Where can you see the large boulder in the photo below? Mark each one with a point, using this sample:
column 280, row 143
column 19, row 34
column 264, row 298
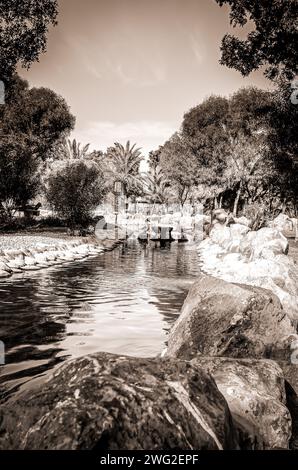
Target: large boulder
column 243, row 221
column 239, row 230
column 257, row 244
column 225, row 319
column 106, row 401
column 220, row 235
column 283, row 223
column 219, row 215
column 256, row 258
column 255, row 393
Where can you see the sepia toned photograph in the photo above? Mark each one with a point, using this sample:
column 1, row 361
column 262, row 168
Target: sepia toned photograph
column 149, row 230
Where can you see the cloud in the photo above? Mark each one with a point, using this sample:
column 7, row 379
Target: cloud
column 197, row 49
column 154, row 75
column 147, row 134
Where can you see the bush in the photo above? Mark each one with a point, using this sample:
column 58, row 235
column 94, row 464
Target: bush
column 75, row 191
column 18, row 175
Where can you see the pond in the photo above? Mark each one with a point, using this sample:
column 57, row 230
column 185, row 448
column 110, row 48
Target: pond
column 123, row 301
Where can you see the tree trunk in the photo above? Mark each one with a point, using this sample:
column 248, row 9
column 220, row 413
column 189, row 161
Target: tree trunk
column 236, row 202
column 220, row 201
column 215, row 203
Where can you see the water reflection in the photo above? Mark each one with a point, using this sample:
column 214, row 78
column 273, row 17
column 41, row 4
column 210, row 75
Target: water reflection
column 123, row 301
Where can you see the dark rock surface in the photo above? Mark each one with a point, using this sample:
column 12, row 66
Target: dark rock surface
column 233, row 320
column 106, row 401
column 256, row 395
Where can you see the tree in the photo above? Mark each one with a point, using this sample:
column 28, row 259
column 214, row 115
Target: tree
column 18, row 175
column 157, row 186
column 28, row 137
column 72, row 150
column 45, row 116
column 74, row 191
column 179, row 166
column 229, row 138
column 248, row 170
column 154, row 158
column 248, row 167
column 272, row 43
column 125, row 167
column 23, row 31
column 204, row 127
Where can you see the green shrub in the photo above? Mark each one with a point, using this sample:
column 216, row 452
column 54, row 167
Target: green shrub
column 75, row 191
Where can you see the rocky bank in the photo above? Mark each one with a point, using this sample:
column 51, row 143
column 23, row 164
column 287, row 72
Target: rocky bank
column 34, row 253
column 226, row 381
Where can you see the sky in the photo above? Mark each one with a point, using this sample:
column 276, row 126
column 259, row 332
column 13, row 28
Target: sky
column 130, row 69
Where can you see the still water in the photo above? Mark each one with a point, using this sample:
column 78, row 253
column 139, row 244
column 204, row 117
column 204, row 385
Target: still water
column 123, row 301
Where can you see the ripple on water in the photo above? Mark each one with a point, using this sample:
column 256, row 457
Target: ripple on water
column 123, row 301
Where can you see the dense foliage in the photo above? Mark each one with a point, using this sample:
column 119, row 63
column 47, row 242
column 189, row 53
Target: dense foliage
column 75, row 191
column 23, row 32
column 123, row 165
column 272, row 41
column 32, row 121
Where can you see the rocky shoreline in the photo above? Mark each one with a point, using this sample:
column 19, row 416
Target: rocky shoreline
column 34, row 253
column 228, row 379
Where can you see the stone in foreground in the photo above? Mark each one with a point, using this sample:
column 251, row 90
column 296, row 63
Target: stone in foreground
column 224, row 319
column 255, row 393
column 106, row 401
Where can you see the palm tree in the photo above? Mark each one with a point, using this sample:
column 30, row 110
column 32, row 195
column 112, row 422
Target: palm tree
column 124, row 167
column 72, row 150
column 157, row 186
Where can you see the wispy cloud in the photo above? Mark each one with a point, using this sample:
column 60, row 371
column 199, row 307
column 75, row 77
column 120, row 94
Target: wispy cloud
column 154, row 75
column 197, row 48
column 124, row 61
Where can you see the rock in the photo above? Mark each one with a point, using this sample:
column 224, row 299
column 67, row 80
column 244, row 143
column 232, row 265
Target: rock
column 224, row 319
column 41, row 257
column 4, row 266
column 4, row 274
column 264, row 239
column 290, row 373
column 238, row 230
column 106, row 401
column 16, row 261
column 283, row 223
column 243, row 221
column 262, row 262
column 29, row 259
column 51, row 255
column 255, row 393
column 219, row 215
column 220, row 234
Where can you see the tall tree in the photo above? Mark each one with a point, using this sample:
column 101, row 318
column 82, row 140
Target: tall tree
column 204, row 128
column 23, row 32
column 32, row 122
column 72, row 150
column 229, row 138
column 157, row 186
column 19, row 180
column 125, row 167
column 44, row 118
column 180, row 167
column 272, row 41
